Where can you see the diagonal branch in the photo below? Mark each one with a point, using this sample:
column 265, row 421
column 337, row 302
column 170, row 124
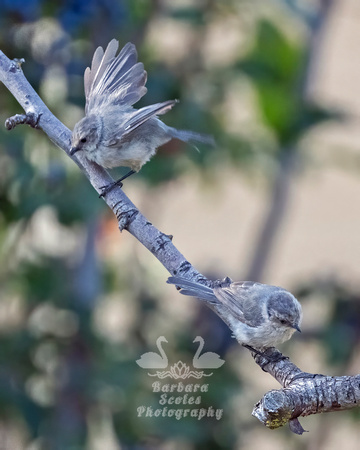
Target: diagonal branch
column 302, row 393
column 128, row 216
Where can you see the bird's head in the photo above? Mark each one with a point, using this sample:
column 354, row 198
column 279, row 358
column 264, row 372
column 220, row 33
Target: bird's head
column 86, row 134
column 284, row 310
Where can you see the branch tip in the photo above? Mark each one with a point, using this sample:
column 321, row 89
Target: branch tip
column 31, row 119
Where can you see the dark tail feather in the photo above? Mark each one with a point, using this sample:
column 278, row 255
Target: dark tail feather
column 193, row 289
column 199, row 294
column 183, row 282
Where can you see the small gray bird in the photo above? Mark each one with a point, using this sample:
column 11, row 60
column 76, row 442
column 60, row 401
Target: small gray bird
column 113, row 133
column 259, row 315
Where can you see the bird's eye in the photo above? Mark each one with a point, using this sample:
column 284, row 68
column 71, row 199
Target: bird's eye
column 283, row 321
column 83, row 140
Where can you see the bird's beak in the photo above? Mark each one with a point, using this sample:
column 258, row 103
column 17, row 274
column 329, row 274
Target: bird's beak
column 73, row 150
column 297, row 328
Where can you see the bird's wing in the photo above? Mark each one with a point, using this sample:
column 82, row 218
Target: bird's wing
column 136, row 118
column 117, row 80
column 242, row 301
column 142, row 115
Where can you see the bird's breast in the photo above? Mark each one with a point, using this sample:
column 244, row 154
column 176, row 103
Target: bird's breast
column 133, row 155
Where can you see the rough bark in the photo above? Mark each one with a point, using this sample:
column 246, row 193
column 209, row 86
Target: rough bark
column 302, row 394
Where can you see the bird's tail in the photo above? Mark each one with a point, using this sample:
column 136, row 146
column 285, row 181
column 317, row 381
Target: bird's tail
column 193, row 289
column 191, row 136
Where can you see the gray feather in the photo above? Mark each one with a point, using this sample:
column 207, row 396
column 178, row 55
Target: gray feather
column 90, row 72
column 142, row 115
column 191, row 136
column 98, row 68
column 231, row 299
column 134, row 78
column 116, row 69
column 114, row 80
column 98, row 65
column 199, row 294
column 193, row 289
column 245, row 300
column 183, row 282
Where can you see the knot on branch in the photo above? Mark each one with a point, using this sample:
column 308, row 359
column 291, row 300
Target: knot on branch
column 126, row 217
column 274, row 410
column 16, row 64
column 161, row 242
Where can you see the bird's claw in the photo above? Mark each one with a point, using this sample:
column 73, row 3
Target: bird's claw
column 108, row 187
column 272, row 357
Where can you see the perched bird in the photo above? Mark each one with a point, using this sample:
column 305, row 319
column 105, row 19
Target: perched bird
column 113, row 133
column 259, row 315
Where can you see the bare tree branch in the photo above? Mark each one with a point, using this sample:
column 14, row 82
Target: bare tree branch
column 302, row 393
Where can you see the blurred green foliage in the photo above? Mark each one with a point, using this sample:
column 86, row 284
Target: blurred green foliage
column 277, row 66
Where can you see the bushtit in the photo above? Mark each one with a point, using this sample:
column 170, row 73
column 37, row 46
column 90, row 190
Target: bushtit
column 259, row 315
column 113, row 133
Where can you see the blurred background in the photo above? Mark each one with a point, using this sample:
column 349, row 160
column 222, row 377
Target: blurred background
column 276, row 83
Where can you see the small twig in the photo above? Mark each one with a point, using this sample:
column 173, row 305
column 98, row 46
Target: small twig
column 31, row 119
